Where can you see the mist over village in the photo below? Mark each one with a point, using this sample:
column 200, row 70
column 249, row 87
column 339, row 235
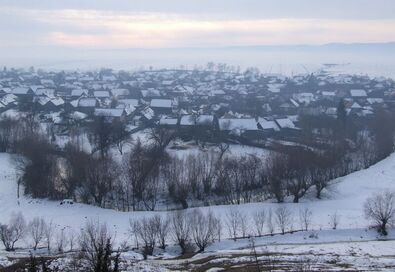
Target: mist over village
column 253, row 135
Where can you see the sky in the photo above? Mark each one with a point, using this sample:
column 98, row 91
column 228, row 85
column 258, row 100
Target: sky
column 69, row 34
column 120, row 24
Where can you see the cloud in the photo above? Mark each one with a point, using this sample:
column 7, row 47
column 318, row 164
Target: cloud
column 171, row 26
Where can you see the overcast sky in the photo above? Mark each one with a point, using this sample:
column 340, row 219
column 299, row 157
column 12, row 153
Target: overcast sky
column 114, row 24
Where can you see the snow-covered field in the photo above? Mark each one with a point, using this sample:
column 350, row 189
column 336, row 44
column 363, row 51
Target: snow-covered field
column 345, row 197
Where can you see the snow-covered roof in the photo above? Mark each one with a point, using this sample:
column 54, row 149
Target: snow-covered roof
column 238, row 124
column 161, row 103
column 375, row 100
column 109, row 112
column 355, row 105
column 79, row 92
column 20, row 90
column 204, row 119
column 8, row 98
column 77, row 115
column 57, row 101
column 47, row 82
column 42, row 100
column 150, row 93
column 168, row 121
column 275, row 87
column 47, row 92
column 87, row 102
column 131, row 102
column 119, row 92
column 109, row 78
column 326, row 93
column 217, row 92
column 148, row 113
column 285, row 123
column 268, row 125
column 101, row 94
column 358, row 93
column 187, row 120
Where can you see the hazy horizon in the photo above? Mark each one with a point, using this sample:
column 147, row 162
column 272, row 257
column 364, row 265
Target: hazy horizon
column 90, row 34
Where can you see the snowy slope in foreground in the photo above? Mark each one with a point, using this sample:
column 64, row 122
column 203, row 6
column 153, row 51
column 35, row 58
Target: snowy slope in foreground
column 346, row 197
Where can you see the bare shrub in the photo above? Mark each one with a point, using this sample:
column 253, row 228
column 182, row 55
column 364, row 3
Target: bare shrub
column 13, row 232
column 48, row 233
column 95, row 242
column 305, row 218
column 146, row 233
column 60, row 240
column 203, row 228
column 233, row 222
column 380, row 209
column 283, row 218
column 163, row 227
column 269, row 222
column 259, row 218
column 72, row 239
column 181, row 230
column 36, row 231
column 334, row 220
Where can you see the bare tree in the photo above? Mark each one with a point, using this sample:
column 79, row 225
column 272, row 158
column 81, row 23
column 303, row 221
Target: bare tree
column 276, row 176
column 48, row 233
column 244, row 224
column 60, row 240
column 203, row 228
column 233, row 222
column 269, row 222
column 305, row 217
column 13, row 232
column 178, row 181
column 36, row 230
column 72, row 239
column 146, row 232
column 181, row 230
column 380, row 209
column 163, row 226
column 259, row 218
column 95, row 242
column 283, row 218
column 334, row 220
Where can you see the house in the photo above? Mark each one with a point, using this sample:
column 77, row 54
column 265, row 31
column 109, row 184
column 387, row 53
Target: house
column 238, row 126
column 79, row 93
column 267, row 125
column 168, row 122
column 129, row 102
column 9, row 100
column 205, row 120
column 147, row 114
column 101, row 94
column 120, row 93
column 86, row 104
column 22, row 91
column 49, row 83
column 287, row 126
column 161, row 106
column 187, row 120
column 150, row 93
column 110, row 114
column 358, row 93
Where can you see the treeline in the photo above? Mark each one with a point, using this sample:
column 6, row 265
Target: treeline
column 147, row 177
column 92, row 247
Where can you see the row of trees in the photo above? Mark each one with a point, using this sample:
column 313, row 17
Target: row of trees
column 147, row 174
column 94, row 244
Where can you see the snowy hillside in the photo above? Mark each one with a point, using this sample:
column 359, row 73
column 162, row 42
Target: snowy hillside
column 344, row 197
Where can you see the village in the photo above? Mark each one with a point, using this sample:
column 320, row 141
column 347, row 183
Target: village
column 217, row 104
